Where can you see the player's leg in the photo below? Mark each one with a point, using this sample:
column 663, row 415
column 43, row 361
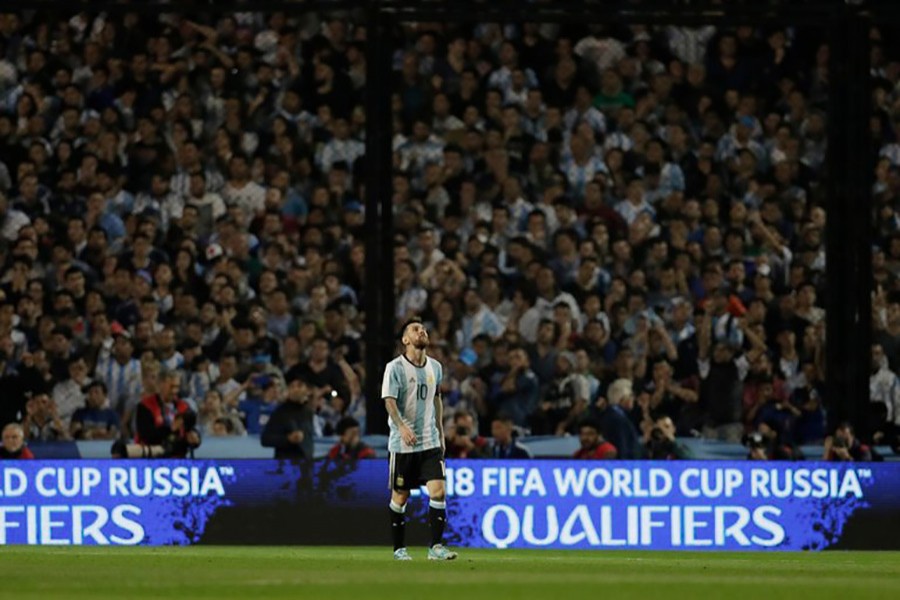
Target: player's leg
column 433, row 472
column 399, row 498
column 437, row 510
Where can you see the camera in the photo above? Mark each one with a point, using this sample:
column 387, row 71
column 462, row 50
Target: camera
column 657, row 435
column 754, row 440
column 189, row 421
column 462, row 432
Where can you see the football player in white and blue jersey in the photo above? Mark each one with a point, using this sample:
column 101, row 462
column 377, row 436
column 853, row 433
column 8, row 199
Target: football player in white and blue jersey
column 412, row 395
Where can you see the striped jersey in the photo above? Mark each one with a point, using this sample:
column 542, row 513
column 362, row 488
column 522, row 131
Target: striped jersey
column 414, row 389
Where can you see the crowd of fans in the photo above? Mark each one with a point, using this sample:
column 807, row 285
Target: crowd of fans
column 615, row 233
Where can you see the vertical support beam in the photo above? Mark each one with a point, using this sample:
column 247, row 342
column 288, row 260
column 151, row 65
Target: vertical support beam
column 860, row 172
column 849, row 232
column 379, row 279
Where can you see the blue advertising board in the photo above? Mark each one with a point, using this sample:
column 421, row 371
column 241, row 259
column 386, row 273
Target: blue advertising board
column 491, row 504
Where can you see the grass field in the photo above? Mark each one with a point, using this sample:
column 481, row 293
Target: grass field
column 370, row 574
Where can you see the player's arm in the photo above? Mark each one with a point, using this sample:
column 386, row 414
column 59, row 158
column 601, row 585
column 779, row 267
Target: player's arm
column 406, row 432
column 439, row 418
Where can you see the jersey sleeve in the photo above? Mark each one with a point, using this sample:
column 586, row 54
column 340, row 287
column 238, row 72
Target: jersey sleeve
column 390, row 386
column 439, row 376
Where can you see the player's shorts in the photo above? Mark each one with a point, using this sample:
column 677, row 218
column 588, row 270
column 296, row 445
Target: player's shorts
column 410, row 470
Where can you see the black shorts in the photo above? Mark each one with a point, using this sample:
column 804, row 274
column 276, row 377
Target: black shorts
column 409, row 470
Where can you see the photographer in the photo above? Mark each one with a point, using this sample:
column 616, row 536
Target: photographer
column 350, row 446
column 845, row 447
column 463, row 440
column 662, row 444
column 768, row 443
column 166, row 425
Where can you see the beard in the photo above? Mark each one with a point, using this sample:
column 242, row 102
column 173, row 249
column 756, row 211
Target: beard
column 420, row 344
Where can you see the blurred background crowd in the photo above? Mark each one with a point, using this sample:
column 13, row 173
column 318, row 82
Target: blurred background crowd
column 611, row 232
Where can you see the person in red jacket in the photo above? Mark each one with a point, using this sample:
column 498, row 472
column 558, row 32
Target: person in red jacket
column 166, row 422
column 593, row 446
column 14, row 443
column 350, row 447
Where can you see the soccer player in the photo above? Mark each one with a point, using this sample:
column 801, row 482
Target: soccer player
column 411, row 391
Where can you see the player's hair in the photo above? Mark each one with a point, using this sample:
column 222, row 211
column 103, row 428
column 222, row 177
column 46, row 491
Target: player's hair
column 410, row 321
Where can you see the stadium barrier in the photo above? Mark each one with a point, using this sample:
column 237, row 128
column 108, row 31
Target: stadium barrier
column 687, row 505
column 540, row 447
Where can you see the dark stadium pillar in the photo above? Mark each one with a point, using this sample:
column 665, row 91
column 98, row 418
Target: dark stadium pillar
column 379, row 279
column 849, row 231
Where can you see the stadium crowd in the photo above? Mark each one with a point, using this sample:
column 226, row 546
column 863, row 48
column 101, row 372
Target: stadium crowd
column 615, row 233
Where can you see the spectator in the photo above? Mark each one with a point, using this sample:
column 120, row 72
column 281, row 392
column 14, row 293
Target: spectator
column 477, row 320
column 722, row 374
column 463, row 440
column 670, row 398
column 321, row 372
column 217, row 417
column 884, row 394
column 95, row 420
column 844, row 446
column 350, row 447
column 565, row 400
column 809, row 425
column 505, row 444
column 14, row 386
column 662, row 444
column 12, row 220
column 615, row 420
column 69, row 395
column 614, row 174
column 121, row 371
column 42, row 422
column 768, row 442
column 14, row 443
column 514, row 391
column 163, row 419
column 290, row 428
column 262, row 397
column 593, row 446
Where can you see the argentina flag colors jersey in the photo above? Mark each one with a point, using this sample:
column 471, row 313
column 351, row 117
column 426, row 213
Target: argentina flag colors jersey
column 414, row 388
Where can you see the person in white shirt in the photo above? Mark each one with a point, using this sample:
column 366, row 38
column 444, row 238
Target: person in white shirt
column 242, row 191
column 341, row 148
column 635, row 203
column 884, row 386
column 209, row 205
column 11, row 220
column 121, row 373
column 478, row 320
column 69, row 395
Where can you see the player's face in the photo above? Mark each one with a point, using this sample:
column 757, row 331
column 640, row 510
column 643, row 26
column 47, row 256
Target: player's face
column 417, row 336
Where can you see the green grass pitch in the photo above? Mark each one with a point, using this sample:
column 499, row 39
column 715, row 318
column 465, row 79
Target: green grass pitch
column 371, row 574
